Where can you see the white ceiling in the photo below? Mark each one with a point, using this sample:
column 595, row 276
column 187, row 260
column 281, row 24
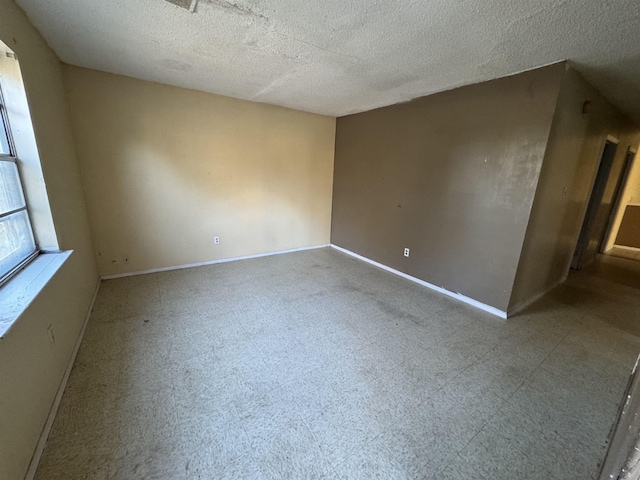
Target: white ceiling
column 337, row 57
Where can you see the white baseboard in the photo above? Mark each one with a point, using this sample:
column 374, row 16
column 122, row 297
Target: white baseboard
column 622, row 251
column 457, row 296
column 210, row 262
column 623, row 247
column 522, row 305
column 37, row 454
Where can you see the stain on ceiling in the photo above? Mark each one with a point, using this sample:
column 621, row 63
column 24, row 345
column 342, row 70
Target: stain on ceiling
column 338, row 57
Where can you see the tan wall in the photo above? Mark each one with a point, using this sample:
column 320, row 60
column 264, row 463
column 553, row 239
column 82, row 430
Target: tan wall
column 166, row 169
column 568, row 173
column 630, row 195
column 451, row 176
column 629, row 233
column 30, row 368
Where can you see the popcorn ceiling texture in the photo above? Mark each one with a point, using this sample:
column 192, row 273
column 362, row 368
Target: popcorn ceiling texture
column 338, row 57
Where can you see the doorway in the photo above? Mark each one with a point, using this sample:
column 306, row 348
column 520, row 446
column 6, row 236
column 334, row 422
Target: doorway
column 613, row 230
column 596, row 217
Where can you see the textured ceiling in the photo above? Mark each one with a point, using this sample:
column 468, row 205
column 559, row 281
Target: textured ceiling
column 343, row 56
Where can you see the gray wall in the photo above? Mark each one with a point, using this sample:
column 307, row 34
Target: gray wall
column 452, row 176
column 567, row 176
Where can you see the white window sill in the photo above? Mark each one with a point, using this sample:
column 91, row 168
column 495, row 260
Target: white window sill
column 18, row 293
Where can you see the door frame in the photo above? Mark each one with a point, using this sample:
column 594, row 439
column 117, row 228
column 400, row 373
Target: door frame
column 624, row 437
column 630, row 159
column 583, row 237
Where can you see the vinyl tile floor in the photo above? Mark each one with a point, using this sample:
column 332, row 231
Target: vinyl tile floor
column 315, row 365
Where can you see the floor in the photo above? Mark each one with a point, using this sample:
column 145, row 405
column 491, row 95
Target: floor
column 315, row 365
column 624, row 252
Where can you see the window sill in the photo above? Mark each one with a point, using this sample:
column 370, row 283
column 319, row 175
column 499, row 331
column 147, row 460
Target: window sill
column 21, row 290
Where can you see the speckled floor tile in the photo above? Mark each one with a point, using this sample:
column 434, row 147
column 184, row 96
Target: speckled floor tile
column 341, row 431
column 293, row 452
column 316, row 365
column 503, row 450
column 311, row 392
column 371, row 463
column 245, row 468
column 457, row 468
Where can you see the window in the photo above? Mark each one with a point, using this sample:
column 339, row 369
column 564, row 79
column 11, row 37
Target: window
column 17, row 244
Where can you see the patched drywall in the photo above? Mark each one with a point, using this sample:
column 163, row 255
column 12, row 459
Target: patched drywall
column 335, row 57
column 451, row 177
column 566, row 179
column 166, row 170
column 31, row 365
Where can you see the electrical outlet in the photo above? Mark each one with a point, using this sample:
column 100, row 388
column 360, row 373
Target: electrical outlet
column 52, row 337
column 216, row 240
column 406, row 252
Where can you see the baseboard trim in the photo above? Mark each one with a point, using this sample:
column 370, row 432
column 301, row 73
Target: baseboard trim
column 210, row 262
column 522, row 305
column 457, row 296
column 37, row 454
column 623, row 251
column 624, row 248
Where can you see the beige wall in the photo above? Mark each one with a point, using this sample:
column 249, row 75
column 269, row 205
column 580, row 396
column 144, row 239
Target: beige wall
column 166, row 169
column 30, row 367
column 568, row 173
column 629, row 195
column 632, row 191
column 452, row 177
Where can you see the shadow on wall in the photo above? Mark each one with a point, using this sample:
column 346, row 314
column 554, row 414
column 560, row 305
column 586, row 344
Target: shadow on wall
column 463, row 166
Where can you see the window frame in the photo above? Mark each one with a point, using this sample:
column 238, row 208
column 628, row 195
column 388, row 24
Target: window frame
column 13, row 158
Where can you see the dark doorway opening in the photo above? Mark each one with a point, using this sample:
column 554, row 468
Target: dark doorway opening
column 612, row 236
column 596, row 218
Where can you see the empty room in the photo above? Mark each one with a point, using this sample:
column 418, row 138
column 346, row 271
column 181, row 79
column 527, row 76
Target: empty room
column 254, row 239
